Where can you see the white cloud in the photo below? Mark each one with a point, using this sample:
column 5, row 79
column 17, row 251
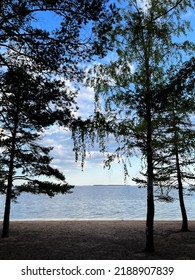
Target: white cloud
column 144, row 4
column 85, row 102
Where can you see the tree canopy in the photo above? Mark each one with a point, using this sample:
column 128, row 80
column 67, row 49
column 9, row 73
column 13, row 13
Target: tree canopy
column 60, row 47
column 131, row 86
column 37, row 60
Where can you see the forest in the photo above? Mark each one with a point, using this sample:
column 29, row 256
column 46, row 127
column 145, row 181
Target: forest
column 144, row 98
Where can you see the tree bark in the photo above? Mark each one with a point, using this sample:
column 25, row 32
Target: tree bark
column 149, row 154
column 6, row 220
column 181, row 198
column 179, row 179
column 150, row 197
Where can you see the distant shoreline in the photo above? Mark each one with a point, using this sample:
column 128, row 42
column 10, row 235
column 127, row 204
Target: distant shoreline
column 107, row 185
column 96, row 203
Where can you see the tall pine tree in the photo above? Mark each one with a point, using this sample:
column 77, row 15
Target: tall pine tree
column 26, row 109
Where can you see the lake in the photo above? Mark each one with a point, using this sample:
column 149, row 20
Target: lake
column 96, row 203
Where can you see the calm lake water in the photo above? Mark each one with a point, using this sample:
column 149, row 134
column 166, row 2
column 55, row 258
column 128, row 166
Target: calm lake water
column 96, row 203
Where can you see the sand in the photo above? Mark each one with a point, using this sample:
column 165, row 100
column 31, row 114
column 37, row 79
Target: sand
column 101, row 240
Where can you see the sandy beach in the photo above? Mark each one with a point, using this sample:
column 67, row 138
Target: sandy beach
column 89, row 240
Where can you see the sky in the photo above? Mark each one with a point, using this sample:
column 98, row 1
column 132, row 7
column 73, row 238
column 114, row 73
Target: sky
column 93, row 171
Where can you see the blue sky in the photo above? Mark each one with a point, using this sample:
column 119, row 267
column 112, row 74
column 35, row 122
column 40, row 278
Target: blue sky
column 93, row 172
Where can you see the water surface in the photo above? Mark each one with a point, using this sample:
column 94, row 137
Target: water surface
column 96, row 203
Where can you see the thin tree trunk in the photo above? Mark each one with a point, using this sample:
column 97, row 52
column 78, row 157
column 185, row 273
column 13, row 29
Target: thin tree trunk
column 149, row 155
column 150, row 221
column 179, row 179
column 150, row 197
column 181, row 198
column 6, row 220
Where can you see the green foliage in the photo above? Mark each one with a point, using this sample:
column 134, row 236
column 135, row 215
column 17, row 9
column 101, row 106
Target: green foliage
column 27, row 107
column 129, row 89
column 50, row 51
column 176, row 129
column 146, row 53
column 58, row 49
column 39, row 61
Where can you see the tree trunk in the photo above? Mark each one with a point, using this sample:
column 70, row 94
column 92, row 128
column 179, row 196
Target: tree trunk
column 179, row 179
column 181, row 198
column 150, row 197
column 6, row 220
column 150, row 223
column 149, row 155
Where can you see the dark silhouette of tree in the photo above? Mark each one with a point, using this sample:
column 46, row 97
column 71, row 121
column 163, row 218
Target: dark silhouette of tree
column 175, row 153
column 38, row 58
column 173, row 141
column 26, row 109
column 129, row 85
column 59, row 48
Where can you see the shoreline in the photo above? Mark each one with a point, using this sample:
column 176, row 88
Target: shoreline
column 92, row 220
column 95, row 239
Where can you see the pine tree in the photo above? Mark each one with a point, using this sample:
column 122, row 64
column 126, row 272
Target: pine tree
column 175, row 155
column 26, row 109
column 35, row 62
column 59, row 47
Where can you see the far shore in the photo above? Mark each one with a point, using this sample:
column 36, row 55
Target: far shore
column 101, row 240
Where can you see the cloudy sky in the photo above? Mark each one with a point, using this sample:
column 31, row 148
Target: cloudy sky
column 94, row 171
column 64, row 157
